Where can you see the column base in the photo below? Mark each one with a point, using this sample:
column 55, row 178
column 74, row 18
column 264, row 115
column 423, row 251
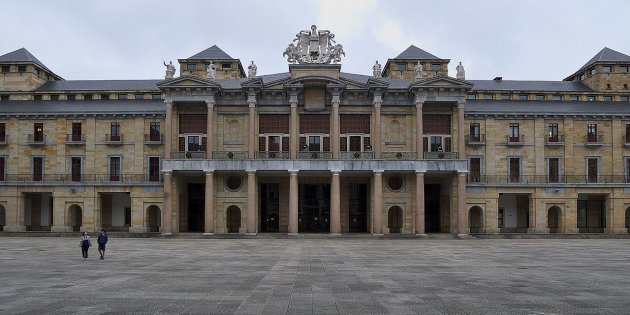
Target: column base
column 167, row 234
column 463, row 236
column 378, row 234
column 208, row 233
column 292, row 234
column 138, row 229
column 421, row 235
column 250, row 234
column 60, row 228
column 15, row 228
column 335, row 234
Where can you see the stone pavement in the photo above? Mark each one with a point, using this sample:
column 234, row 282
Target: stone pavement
column 316, row 276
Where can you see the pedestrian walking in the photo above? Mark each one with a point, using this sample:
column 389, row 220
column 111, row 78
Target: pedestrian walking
column 102, row 241
column 85, row 244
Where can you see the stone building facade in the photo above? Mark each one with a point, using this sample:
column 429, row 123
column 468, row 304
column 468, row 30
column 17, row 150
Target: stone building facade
column 315, row 149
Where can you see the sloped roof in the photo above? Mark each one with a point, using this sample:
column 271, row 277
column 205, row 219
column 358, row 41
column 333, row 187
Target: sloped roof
column 22, row 55
column 213, row 52
column 604, row 55
column 99, row 85
column 543, row 86
column 546, row 107
column 81, row 107
column 414, row 52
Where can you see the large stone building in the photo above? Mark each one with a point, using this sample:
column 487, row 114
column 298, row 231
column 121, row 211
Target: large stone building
column 407, row 149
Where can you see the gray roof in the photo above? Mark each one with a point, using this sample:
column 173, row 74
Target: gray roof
column 213, row 52
column 99, row 85
column 22, row 55
column 542, row 86
column 267, row 79
column 82, row 107
column 546, row 108
column 414, row 52
column 363, row 79
column 606, row 54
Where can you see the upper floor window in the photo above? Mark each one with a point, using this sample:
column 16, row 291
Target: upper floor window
column 608, row 98
column 71, row 97
column 592, row 169
column 522, row 97
column 607, row 69
column 505, row 97
column 557, row 97
column 21, row 68
column 122, row 96
column 115, row 168
column 591, row 133
column 191, row 66
column 226, row 66
column 154, row 169
column 87, row 97
column 583, row 76
column 154, row 131
column 593, row 71
column 38, row 132
column 436, row 67
column 6, row 69
column 591, row 98
column 540, row 97
column 37, row 168
column 623, row 98
column 3, row 168
column 401, row 66
column 104, row 96
column 156, row 96
column 553, row 132
column 488, row 96
column 138, row 96
column 54, row 97
column 3, row 133
column 474, row 172
column 75, row 169
column 475, row 132
column 115, row 131
column 472, row 97
column 553, row 170
column 574, row 98
column 624, row 69
column 513, row 132
column 514, row 169
column 76, row 131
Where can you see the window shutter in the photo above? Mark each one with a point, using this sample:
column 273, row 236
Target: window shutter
column 285, row 144
column 262, row 144
column 343, row 144
column 182, row 144
column 302, row 143
column 447, row 144
column 326, row 145
column 203, row 144
column 425, row 144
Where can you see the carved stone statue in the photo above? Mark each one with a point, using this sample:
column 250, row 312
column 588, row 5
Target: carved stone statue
column 212, row 71
column 251, row 70
column 419, row 70
column 314, row 46
column 170, row 70
column 461, row 73
column 376, row 70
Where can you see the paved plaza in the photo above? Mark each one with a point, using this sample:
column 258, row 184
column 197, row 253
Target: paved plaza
column 316, row 276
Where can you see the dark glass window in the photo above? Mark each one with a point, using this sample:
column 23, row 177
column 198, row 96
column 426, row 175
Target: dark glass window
column 156, row 96
column 513, row 132
column 38, row 168
column 436, row 67
column 608, row 98
column 522, row 97
column 122, row 96
column 37, row 97
column 557, row 97
column 114, row 168
column 87, row 97
column 515, row 170
column 75, row 169
column 401, row 66
column 553, row 132
column 2, row 167
column 54, row 97
column 139, row 96
column 591, row 169
column 505, row 97
column 154, row 169
column 475, row 170
column 3, row 132
column 488, row 97
column 540, row 97
column 591, row 133
column 590, row 98
column 554, row 170
column 104, row 96
column 154, row 131
column 21, row 68
column 574, row 98
column 607, row 69
column 6, row 69
column 115, row 132
column 226, row 66
column 71, row 97
column 38, row 132
column 76, row 131
column 191, row 67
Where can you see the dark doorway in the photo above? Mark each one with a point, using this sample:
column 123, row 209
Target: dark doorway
column 394, row 219
column 357, row 208
column 233, row 219
column 432, row 208
column 196, row 204
column 314, row 209
column 269, row 208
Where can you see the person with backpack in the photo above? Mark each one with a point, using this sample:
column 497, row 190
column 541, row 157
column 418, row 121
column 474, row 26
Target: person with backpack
column 85, row 244
column 101, row 241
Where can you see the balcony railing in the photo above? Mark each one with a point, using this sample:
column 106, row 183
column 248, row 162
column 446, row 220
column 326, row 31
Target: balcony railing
column 4, row 140
column 153, row 139
column 515, row 140
column 399, row 155
column 473, row 140
column 79, row 178
column 356, row 155
column 316, row 155
column 114, row 139
column 75, row 139
column 36, row 140
column 594, row 140
column 547, row 179
column 188, row 155
column 279, row 155
column 440, row 155
column 556, row 140
column 229, row 155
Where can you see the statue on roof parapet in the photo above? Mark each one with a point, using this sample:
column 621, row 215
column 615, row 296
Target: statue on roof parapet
column 419, row 70
column 314, row 46
column 461, row 73
column 376, row 70
column 170, row 70
column 212, row 70
column 251, row 70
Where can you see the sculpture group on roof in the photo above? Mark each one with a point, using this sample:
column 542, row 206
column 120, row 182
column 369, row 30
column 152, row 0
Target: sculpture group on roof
column 170, row 70
column 314, row 46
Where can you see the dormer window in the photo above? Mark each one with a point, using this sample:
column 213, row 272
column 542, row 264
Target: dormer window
column 624, row 69
column 104, row 96
column 583, row 76
column 557, row 97
column 138, row 96
column 54, row 97
column 593, row 71
column 488, row 97
column 608, row 98
column 6, row 69
column 22, row 68
column 401, row 66
column 436, row 67
column 122, row 96
column 574, row 98
column 522, row 97
column 540, row 97
column 472, row 96
column 226, row 66
column 607, row 69
column 591, row 98
column 191, row 66
column 505, row 97
column 71, row 97
column 87, row 97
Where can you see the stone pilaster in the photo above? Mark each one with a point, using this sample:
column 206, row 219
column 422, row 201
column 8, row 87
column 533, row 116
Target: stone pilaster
column 251, row 202
column 462, row 223
column 293, row 202
column 168, row 130
column 167, row 217
column 334, row 141
column 377, row 228
column 335, row 204
column 209, row 204
column 378, row 100
column 461, row 148
column 293, row 128
column 420, row 231
column 419, row 128
column 253, row 134
column 210, row 128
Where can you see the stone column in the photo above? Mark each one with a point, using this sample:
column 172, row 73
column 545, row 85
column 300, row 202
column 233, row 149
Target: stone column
column 377, row 228
column 335, row 128
column 251, row 147
column 167, row 215
column 335, row 204
column 293, row 203
column 462, row 223
column 210, row 129
column 377, row 126
column 168, row 130
column 209, row 204
column 419, row 129
column 420, row 204
column 461, row 147
column 293, row 130
column 251, row 203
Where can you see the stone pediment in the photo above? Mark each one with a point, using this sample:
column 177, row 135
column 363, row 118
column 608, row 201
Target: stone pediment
column 442, row 82
column 314, row 80
column 187, row 82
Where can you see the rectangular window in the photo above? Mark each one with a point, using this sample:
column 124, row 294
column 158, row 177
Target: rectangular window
column 505, row 97
column 513, row 133
column 122, row 96
column 472, row 97
column 540, row 97
column 515, row 170
column 574, row 98
column 37, row 97
column 553, row 170
column 583, row 76
column 581, row 213
column 608, row 98
column 71, row 97
column 401, row 66
column 138, row 96
column 6, row 69
column 314, row 143
column 115, row 132
column 627, row 135
column 154, row 131
column 591, row 133
column 553, row 132
column 193, row 143
column 436, row 67
column 592, row 169
column 623, row 69
column 191, row 67
column 606, row 69
column 87, row 97
column 38, row 132
column 557, row 97
column 226, row 66
column 474, row 174
column 75, row 165
column 590, row 98
column 627, row 169
column 623, row 98
column 475, row 132
column 593, row 72
column 21, row 68
column 38, row 168
column 76, row 131
column 156, row 96
column 104, row 97
column 500, row 218
column 3, row 133
column 522, row 97
column 54, row 97
column 114, row 168
column 127, row 216
column 154, row 169
column 488, row 96
column 435, row 144
column 3, row 161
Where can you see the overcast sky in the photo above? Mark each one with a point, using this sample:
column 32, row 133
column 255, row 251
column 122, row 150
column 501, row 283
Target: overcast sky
column 124, row 39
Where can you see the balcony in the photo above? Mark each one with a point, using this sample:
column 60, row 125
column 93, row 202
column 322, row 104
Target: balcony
column 399, row 155
column 80, row 178
column 356, row 155
column 594, row 140
column 553, row 141
column 515, row 141
column 195, row 155
column 475, row 140
column 75, row 139
column 153, row 139
column 113, row 139
column 4, row 140
column 36, row 140
column 316, row 155
column 229, row 155
column 440, row 155
column 549, row 179
column 272, row 155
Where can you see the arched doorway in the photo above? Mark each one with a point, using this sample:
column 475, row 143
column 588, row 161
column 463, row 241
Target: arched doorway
column 3, row 217
column 627, row 218
column 475, row 222
column 233, row 219
column 153, row 218
column 394, row 219
column 553, row 219
column 75, row 217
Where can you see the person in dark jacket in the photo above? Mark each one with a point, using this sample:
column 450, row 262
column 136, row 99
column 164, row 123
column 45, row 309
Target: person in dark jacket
column 85, row 244
column 102, row 241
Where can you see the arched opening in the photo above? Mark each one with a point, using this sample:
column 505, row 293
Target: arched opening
column 627, row 218
column 75, row 217
column 475, row 221
column 553, row 219
column 3, row 219
column 394, row 219
column 233, row 219
column 153, row 218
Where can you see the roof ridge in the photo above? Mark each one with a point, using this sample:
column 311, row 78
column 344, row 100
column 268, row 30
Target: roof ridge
column 212, row 52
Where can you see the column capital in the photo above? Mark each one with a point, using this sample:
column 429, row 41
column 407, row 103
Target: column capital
column 250, row 172
column 420, row 173
column 169, row 104
column 420, row 99
column 419, row 105
column 208, row 172
column 294, row 105
column 462, row 173
column 210, row 103
column 167, row 172
column 460, row 103
column 252, row 104
column 335, row 105
column 335, row 172
column 293, row 172
column 293, row 98
column 378, row 172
